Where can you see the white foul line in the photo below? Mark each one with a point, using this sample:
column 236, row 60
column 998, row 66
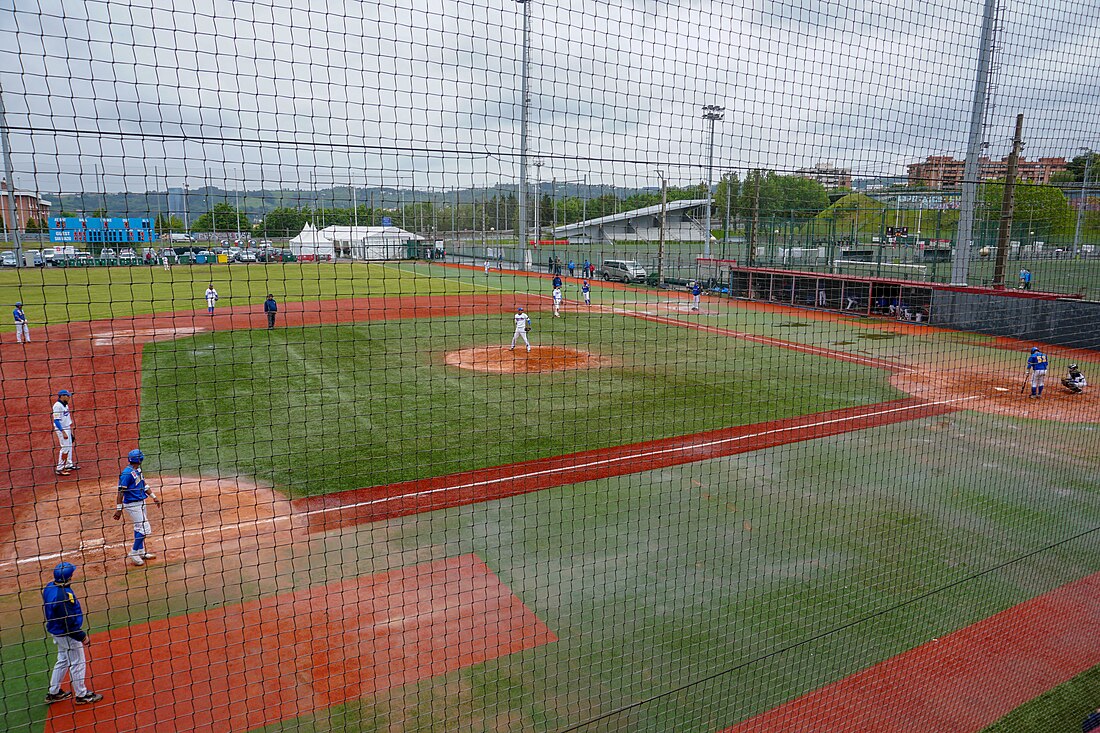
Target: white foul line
column 630, row 457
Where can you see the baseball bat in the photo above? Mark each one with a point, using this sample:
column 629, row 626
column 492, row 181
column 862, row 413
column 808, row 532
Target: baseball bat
column 1024, row 385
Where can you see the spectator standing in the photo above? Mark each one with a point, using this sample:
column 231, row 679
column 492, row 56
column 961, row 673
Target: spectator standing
column 270, row 309
column 64, row 619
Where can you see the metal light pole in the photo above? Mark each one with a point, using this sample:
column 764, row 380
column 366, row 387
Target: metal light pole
column 711, row 113
column 664, row 218
column 960, row 264
column 525, row 104
column 1081, row 204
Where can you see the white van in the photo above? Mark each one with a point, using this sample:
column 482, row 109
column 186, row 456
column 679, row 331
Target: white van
column 181, row 238
column 625, row 270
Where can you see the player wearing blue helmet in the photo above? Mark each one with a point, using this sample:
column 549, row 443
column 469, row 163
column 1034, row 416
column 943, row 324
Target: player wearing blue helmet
column 64, row 619
column 132, row 493
column 1037, row 366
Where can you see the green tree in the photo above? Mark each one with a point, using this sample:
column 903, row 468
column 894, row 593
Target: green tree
column 284, row 222
column 1041, row 212
column 1075, row 169
column 33, row 226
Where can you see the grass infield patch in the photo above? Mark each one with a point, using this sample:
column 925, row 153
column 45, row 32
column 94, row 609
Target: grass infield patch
column 317, row 410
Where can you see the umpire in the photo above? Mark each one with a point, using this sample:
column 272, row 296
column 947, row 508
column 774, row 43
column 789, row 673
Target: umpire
column 270, row 309
column 64, row 619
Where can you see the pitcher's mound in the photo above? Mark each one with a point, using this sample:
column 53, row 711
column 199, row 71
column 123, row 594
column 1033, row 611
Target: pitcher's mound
column 501, row 360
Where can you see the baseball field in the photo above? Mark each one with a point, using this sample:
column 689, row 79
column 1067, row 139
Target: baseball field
column 376, row 516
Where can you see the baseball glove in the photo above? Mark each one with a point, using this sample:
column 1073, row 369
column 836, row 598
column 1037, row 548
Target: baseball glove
column 527, row 329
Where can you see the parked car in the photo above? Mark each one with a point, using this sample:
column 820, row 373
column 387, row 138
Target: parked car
column 39, row 260
column 246, row 255
column 185, row 238
column 83, row 258
column 108, row 254
column 270, row 254
column 7, row 259
column 625, row 270
column 48, row 254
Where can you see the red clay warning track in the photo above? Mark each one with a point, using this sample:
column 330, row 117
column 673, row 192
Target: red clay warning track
column 245, row 666
column 412, row 497
column 962, row 682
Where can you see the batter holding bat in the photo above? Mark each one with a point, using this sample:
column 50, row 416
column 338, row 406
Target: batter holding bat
column 132, row 493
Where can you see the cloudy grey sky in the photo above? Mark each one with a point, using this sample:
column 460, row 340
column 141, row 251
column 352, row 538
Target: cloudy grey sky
column 426, row 92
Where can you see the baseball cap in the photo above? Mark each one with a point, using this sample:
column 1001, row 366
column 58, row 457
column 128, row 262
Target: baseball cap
column 18, row 305
column 64, row 393
column 520, row 309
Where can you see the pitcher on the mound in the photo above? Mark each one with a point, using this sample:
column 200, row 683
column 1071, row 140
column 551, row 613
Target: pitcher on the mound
column 523, row 325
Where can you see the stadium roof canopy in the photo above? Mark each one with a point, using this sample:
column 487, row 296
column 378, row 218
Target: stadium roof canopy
column 580, row 226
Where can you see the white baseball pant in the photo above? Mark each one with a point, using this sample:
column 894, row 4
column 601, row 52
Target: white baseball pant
column 1038, row 377
column 65, row 453
column 70, row 658
column 522, row 333
column 22, row 332
column 135, row 510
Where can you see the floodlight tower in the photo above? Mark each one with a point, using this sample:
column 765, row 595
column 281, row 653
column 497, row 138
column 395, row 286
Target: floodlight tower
column 711, row 113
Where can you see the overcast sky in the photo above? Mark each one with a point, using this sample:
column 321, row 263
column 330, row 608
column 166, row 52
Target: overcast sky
column 426, row 92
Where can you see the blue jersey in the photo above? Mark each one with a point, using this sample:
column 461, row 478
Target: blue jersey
column 585, row 288
column 132, row 485
column 62, row 610
column 1037, row 361
column 557, row 282
column 696, row 290
column 19, row 316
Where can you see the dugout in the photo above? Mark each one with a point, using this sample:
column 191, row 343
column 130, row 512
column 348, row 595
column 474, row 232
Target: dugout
column 951, row 306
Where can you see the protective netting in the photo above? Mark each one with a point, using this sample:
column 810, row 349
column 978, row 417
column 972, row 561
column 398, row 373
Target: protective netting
column 549, row 367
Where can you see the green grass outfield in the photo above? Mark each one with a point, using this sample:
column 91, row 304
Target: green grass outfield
column 743, row 571
column 322, row 409
column 1061, row 709
column 79, row 294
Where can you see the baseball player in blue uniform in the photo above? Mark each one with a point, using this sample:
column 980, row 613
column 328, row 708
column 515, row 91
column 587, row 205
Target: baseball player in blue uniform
column 523, row 324
column 22, row 330
column 132, row 493
column 586, row 291
column 64, row 619
column 1037, row 365
column 696, row 295
column 63, row 429
column 557, row 281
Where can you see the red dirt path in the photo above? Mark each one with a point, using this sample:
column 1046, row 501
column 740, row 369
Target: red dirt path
column 245, row 666
column 962, row 682
column 345, row 508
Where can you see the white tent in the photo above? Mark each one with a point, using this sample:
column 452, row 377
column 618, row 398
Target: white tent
column 360, row 243
column 310, row 244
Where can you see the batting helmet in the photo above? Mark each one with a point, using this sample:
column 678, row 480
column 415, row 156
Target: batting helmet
column 1072, row 366
column 18, row 305
column 63, row 573
column 519, row 310
column 1034, row 349
column 64, row 393
column 135, row 456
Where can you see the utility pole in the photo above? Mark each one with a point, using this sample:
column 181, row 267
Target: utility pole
column 661, row 244
column 1008, row 203
column 9, row 176
column 186, row 219
column 538, row 196
column 711, row 113
column 525, row 106
column 726, row 224
column 755, row 218
column 584, row 200
column 960, row 264
column 1081, row 205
